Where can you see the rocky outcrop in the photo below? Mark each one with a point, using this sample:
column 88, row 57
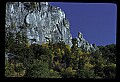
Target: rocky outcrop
column 40, row 21
column 85, row 45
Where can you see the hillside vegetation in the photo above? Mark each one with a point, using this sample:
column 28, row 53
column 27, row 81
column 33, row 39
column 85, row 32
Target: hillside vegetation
column 57, row 60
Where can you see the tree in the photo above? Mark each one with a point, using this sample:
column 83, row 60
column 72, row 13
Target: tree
column 14, row 70
column 85, row 73
column 110, row 70
column 9, row 69
column 68, row 73
column 98, row 63
column 9, row 42
column 109, row 52
column 40, row 69
column 19, row 69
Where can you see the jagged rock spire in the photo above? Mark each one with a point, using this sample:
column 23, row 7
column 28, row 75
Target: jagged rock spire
column 82, row 43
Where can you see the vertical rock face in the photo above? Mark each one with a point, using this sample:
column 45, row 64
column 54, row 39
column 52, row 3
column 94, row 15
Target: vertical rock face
column 40, row 21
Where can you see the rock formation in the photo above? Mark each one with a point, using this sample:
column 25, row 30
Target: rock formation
column 82, row 43
column 41, row 22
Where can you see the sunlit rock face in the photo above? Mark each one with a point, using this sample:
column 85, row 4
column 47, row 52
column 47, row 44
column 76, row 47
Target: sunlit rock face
column 82, row 43
column 41, row 22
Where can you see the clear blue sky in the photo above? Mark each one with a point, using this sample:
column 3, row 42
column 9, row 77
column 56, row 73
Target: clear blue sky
column 97, row 21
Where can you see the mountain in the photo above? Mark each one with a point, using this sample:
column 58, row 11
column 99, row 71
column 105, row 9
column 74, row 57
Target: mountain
column 42, row 23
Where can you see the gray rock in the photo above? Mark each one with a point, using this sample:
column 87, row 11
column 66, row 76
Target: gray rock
column 85, row 45
column 44, row 22
column 9, row 56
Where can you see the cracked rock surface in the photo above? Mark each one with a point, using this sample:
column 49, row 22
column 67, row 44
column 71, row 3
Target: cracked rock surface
column 42, row 23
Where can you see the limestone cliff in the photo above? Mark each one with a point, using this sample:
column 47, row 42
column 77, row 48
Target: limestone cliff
column 40, row 21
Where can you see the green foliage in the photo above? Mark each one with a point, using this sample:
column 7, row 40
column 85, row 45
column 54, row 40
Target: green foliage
column 13, row 25
column 74, row 42
column 109, row 52
column 9, row 69
column 14, row 70
column 57, row 60
column 33, row 5
column 54, row 74
column 9, row 41
column 30, row 5
column 40, row 69
column 41, row 52
column 83, row 73
column 110, row 70
column 68, row 72
column 19, row 67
